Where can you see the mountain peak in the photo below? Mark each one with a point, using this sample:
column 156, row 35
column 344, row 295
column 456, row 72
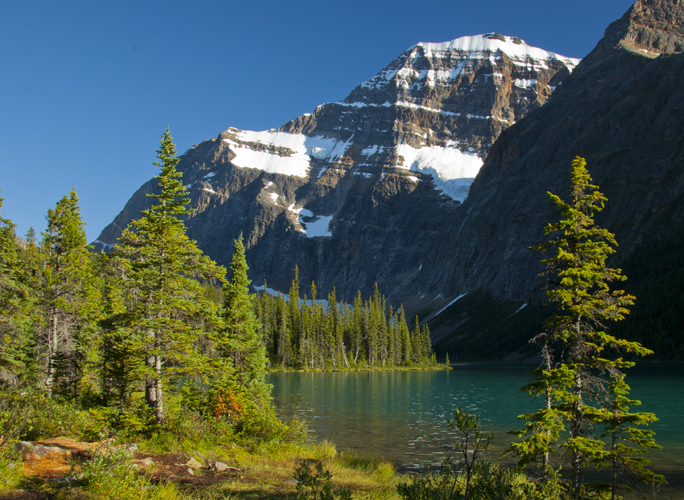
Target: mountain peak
column 651, row 27
column 512, row 46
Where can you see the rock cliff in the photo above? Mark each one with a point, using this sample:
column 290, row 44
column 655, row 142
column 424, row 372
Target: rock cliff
column 362, row 191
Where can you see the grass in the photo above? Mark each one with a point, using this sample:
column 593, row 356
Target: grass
column 258, row 470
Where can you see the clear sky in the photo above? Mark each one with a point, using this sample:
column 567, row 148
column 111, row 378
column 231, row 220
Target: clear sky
column 88, row 87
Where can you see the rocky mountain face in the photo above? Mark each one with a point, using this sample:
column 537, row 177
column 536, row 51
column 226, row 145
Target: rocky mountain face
column 431, row 179
column 362, row 191
column 622, row 109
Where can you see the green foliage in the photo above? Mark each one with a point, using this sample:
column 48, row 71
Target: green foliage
column 111, row 472
column 578, row 353
column 15, row 411
column 475, row 478
column 309, row 335
column 242, row 342
column 316, row 483
column 67, row 291
column 15, row 307
column 166, row 320
column 629, row 441
column 11, row 472
column 470, row 442
column 248, row 410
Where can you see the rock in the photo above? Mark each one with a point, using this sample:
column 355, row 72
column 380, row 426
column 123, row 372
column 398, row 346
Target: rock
column 39, row 451
column 291, row 482
column 220, row 466
column 133, row 448
column 621, row 108
column 359, row 184
column 193, row 464
column 146, row 462
column 191, row 472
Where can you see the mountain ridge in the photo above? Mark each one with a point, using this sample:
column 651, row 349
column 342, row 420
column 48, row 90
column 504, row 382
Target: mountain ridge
column 377, row 167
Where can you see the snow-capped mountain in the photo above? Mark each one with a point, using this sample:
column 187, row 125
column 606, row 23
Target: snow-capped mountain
column 435, row 110
column 357, row 191
column 378, row 187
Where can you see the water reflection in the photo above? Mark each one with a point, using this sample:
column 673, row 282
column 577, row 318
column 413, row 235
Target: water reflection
column 402, row 415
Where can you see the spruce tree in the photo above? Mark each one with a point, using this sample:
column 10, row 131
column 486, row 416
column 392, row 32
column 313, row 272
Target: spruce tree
column 242, row 341
column 68, row 298
column 578, row 353
column 15, row 306
column 168, row 315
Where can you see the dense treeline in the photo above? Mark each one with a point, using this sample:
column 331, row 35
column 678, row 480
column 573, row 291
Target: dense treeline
column 121, row 334
column 314, row 334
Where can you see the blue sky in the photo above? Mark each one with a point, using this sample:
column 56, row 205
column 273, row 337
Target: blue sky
column 88, row 87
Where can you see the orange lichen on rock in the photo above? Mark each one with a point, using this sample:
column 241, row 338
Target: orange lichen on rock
column 51, row 458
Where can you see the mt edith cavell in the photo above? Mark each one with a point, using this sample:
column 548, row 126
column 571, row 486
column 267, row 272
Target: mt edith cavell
column 431, row 178
column 359, row 190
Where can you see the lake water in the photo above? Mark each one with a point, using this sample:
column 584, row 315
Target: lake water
column 402, row 415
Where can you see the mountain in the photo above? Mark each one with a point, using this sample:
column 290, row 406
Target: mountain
column 360, row 191
column 622, row 109
column 431, row 179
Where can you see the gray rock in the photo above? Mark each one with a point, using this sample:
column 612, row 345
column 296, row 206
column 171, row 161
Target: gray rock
column 385, row 218
column 220, row 466
column 147, row 462
column 621, row 109
column 193, row 464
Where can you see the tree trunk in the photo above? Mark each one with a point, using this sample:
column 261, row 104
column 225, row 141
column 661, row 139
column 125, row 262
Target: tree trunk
column 159, row 409
column 52, row 352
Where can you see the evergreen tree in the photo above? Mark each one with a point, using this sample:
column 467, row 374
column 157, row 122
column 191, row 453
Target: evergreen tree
column 15, row 306
column 168, row 314
column 628, row 441
column 576, row 348
column 242, row 342
column 68, row 298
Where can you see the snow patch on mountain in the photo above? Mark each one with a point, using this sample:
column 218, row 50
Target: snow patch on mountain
column 281, row 152
column 452, row 170
column 479, row 46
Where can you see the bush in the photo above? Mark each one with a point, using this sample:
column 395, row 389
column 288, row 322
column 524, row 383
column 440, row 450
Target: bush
column 248, row 410
column 11, row 471
column 47, row 418
column 317, row 484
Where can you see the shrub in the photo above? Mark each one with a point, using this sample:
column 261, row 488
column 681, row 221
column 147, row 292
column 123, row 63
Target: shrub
column 317, row 484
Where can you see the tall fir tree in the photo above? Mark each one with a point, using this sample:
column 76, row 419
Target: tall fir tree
column 15, row 306
column 578, row 353
column 168, row 314
column 242, row 341
column 68, row 298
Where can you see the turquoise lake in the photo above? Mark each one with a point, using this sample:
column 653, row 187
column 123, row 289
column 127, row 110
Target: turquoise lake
column 402, row 415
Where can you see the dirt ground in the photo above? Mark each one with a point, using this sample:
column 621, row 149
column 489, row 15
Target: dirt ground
column 57, row 466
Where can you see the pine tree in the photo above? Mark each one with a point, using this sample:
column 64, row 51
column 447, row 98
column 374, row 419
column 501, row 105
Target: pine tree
column 68, row 298
column 242, row 341
column 15, row 306
column 628, row 441
column 575, row 346
column 167, row 311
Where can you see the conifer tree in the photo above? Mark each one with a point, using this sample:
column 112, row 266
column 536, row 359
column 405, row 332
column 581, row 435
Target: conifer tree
column 168, row 314
column 15, row 306
column 576, row 348
column 242, row 341
column 68, row 298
